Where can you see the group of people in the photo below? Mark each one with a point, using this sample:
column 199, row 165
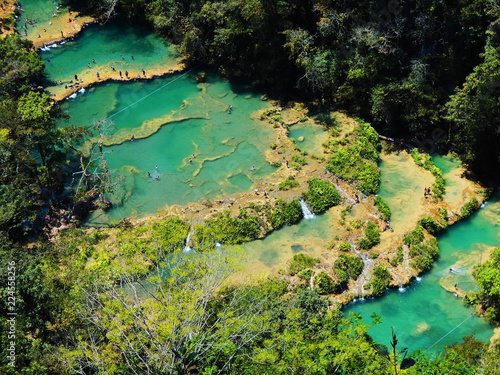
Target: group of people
column 427, row 191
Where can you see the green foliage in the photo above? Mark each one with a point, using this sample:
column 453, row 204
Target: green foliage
column 306, row 274
column 414, row 237
column 285, row 213
column 345, row 246
column 225, row 229
column 487, row 276
column 348, row 266
column 321, row 195
column 432, row 226
column 383, row 208
column 300, row 262
column 475, row 132
column 380, row 280
column 288, row 184
column 424, row 254
column 469, row 207
column 398, row 258
column 21, row 65
column 372, row 236
column 443, row 214
column 299, row 159
column 325, row 284
column 356, row 162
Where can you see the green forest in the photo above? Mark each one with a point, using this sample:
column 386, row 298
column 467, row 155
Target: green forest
column 426, row 72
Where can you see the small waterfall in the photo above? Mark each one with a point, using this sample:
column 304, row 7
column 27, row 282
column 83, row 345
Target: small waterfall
column 308, row 214
column 369, row 264
column 187, row 248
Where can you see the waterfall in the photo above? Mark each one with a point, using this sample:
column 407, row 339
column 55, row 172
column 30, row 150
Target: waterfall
column 308, row 215
column 369, row 264
column 187, row 248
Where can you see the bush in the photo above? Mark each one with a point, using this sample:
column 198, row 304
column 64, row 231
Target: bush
column 285, row 213
column 424, row 254
column 288, row 184
column 325, row 284
column 469, row 208
column 321, row 195
column 414, row 237
column 372, row 236
column 300, row 262
column 225, row 229
column 299, row 159
column 354, row 158
column 432, row 226
column 381, row 279
column 306, row 274
column 383, row 208
column 348, row 266
column 345, row 246
column 398, row 258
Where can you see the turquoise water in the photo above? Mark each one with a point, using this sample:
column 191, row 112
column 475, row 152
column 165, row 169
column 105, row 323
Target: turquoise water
column 41, row 11
column 314, row 137
column 173, row 119
column 274, row 251
column 141, row 49
column 441, row 317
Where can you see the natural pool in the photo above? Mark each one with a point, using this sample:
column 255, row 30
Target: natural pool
column 99, row 49
column 309, row 137
column 424, row 314
column 173, row 119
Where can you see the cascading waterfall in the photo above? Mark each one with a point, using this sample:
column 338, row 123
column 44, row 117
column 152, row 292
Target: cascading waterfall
column 367, row 269
column 187, row 248
column 308, row 214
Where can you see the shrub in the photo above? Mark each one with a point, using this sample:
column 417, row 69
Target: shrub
column 300, row 262
column 354, row 158
column 348, row 266
column 380, row 280
column 299, row 159
column 288, row 184
column 345, row 246
column 225, row 229
column 372, row 236
column 306, row 274
column 429, row 224
column 469, row 207
column 424, row 254
column 321, row 195
column 285, row 213
column 325, row 284
column 414, row 237
column 383, row 208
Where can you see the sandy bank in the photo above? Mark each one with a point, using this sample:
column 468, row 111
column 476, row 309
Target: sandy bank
column 105, row 73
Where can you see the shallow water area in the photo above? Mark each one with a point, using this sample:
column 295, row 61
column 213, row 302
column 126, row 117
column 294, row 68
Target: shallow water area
column 452, row 170
column 424, row 314
column 402, row 185
column 267, row 256
column 314, row 136
column 99, row 49
column 184, row 136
